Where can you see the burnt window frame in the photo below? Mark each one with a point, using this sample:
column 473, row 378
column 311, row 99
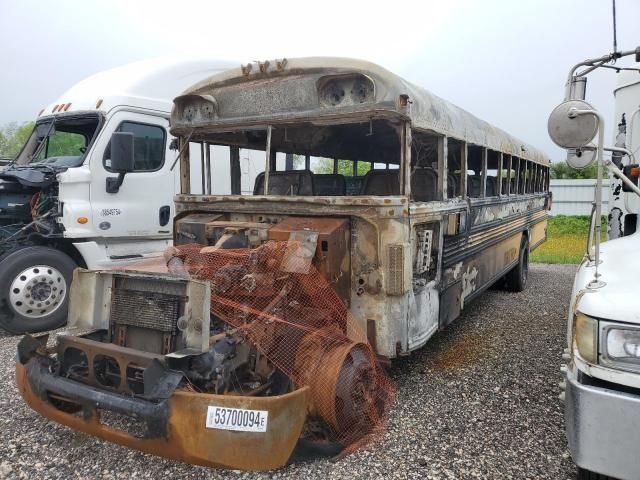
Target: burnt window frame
column 498, row 159
column 476, row 157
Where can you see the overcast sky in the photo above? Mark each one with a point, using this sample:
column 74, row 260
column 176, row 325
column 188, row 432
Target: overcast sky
column 503, row 60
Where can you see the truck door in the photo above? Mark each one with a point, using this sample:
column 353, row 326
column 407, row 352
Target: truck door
column 142, row 208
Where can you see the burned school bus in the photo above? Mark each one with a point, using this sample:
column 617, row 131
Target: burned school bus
column 378, row 211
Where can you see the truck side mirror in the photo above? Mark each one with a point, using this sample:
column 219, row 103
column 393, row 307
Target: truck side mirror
column 568, row 131
column 122, row 160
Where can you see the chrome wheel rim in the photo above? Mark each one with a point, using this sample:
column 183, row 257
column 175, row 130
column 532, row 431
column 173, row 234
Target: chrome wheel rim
column 37, row 291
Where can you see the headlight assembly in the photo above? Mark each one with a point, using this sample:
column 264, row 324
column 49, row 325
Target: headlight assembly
column 585, row 337
column 620, row 346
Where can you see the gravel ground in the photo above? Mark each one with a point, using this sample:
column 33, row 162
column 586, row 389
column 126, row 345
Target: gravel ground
column 479, row 401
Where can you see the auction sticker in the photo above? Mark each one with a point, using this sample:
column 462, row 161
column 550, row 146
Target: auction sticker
column 237, row 419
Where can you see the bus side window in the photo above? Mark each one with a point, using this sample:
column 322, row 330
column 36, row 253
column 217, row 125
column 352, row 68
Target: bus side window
column 454, row 168
column 424, row 167
column 286, row 162
column 546, row 179
column 474, row 171
column 493, row 173
column 506, row 175
column 522, row 175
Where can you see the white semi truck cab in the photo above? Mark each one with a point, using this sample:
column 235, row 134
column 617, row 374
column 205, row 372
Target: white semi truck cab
column 601, row 388
column 62, row 205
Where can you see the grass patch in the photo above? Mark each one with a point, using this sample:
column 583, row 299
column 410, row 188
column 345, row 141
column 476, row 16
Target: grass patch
column 566, row 240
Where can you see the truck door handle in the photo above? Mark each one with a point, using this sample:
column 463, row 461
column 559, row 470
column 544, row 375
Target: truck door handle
column 165, row 214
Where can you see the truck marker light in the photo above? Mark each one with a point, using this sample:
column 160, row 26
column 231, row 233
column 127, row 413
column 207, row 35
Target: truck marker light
column 53, row 110
column 82, row 220
column 66, row 107
column 585, row 337
column 98, row 103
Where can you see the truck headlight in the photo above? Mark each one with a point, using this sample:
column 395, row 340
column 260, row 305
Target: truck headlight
column 585, row 337
column 621, row 346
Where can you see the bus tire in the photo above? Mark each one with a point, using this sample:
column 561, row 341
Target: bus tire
column 588, row 475
column 516, row 279
column 34, row 284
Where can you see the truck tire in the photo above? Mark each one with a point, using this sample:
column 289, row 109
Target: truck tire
column 516, row 279
column 34, row 284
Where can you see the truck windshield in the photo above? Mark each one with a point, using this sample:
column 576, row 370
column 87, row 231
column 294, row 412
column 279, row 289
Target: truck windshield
column 61, row 142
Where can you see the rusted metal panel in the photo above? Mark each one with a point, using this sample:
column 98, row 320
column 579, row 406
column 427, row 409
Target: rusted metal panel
column 187, row 438
column 125, row 358
column 185, row 166
column 332, row 257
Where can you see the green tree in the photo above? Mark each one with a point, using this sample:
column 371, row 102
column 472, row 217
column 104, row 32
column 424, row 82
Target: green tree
column 65, row 144
column 563, row 171
column 12, row 137
column 345, row 167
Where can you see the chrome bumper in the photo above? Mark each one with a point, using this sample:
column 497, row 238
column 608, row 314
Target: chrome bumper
column 603, row 429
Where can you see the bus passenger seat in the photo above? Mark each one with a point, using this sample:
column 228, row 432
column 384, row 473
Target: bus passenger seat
column 354, row 185
column 381, row 182
column 424, row 185
column 329, row 184
column 474, row 186
column 293, row 183
column 492, row 187
column 504, row 182
column 452, row 185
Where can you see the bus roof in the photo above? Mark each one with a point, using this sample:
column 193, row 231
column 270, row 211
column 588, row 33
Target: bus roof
column 425, row 110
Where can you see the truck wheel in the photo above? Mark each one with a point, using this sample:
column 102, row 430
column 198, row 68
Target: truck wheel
column 34, row 284
column 587, row 475
column 516, row 279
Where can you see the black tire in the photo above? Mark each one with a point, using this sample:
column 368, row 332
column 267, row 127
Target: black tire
column 309, row 450
column 13, row 316
column 587, row 475
column 516, row 279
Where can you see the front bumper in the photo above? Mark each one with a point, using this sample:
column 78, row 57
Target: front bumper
column 603, row 429
column 175, row 427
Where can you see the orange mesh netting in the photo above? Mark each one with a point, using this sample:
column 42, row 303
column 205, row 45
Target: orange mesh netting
column 276, row 298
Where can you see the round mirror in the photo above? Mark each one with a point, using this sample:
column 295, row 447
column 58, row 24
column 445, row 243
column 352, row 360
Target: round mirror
column 573, row 132
column 580, row 158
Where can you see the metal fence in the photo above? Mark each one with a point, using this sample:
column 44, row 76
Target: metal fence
column 575, row 197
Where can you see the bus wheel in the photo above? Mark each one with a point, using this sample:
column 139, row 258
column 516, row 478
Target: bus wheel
column 516, row 279
column 34, row 284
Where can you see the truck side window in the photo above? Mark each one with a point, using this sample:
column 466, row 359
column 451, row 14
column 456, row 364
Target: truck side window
column 148, row 146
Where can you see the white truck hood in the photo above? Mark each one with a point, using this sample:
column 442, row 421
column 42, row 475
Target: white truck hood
column 620, row 271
